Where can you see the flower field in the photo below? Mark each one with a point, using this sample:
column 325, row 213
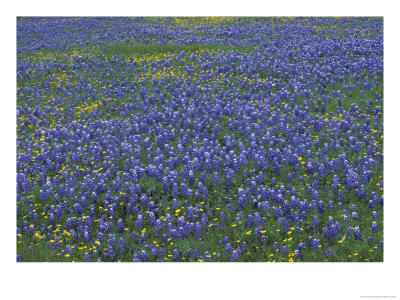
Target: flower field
column 199, row 139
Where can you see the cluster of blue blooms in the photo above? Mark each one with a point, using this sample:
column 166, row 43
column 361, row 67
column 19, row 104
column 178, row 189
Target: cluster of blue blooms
column 203, row 155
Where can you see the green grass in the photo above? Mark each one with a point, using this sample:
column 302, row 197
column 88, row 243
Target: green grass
column 128, row 49
column 136, row 49
column 32, row 249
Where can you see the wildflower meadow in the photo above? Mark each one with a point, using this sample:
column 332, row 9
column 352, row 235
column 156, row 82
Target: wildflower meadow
column 201, row 139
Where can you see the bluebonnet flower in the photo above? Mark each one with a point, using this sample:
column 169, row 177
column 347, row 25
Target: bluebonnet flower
column 174, row 204
column 175, row 190
column 207, row 256
column 228, row 182
column 321, row 207
column 139, row 222
column 244, row 246
column 196, row 253
column 351, row 180
column 357, row 234
column 215, row 178
column 353, row 207
column 249, row 221
column 87, row 257
column 374, row 227
column 335, row 183
column 191, row 178
column 259, row 219
column 110, row 253
column 198, row 230
column 142, row 256
column 366, row 176
column 228, row 248
column 316, row 221
column 154, row 252
column 121, row 226
column 315, row 195
column 176, row 256
column 152, row 219
column 184, row 190
column 276, row 247
column 332, row 230
column 225, row 240
column 340, row 195
column 111, row 240
column 189, row 253
column 222, row 216
column 74, row 236
column 362, row 193
column 121, row 243
column 165, row 185
column 260, row 178
column 355, row 216
column 70, row 222
column 86, row 236
column 349, row 232
column 345, row 219
column 78, row 208
column 329, row 253
column 315, row 244
column 164, row 238
column 235, row 255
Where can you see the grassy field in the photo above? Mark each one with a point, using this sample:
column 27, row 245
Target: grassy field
column 274, row 125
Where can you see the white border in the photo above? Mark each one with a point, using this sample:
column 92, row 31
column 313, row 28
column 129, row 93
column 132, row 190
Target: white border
column 197, row 281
